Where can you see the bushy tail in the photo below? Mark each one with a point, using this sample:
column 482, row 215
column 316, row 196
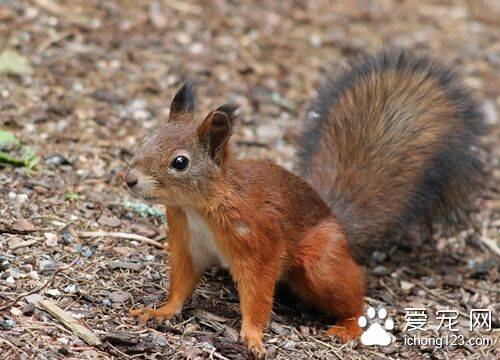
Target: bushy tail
column 394, row 142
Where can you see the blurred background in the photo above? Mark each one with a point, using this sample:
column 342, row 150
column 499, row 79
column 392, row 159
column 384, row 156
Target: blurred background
column 81, row 81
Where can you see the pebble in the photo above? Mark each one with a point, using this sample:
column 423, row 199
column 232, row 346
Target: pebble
column 119, row 296
column 15, row 311
column 430, row 282
column 480, row 268
column 70, row 289
column 88, row 253
column 47, row 265
column 4, row 264
column 125, row 265
column 110, row 221
column 381, row 271
column 28, row 309
column 15, row 273
column 56, row 160
column 67, row 235
column 7, row 323
column 50, row 239
column 406, row 286
column 159, row 339
column 10, row 280
column 379, row 256
column 53, row 292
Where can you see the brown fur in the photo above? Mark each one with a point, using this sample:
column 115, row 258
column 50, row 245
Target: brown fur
column 391, row 144
column 268, row 224
column 382, row 153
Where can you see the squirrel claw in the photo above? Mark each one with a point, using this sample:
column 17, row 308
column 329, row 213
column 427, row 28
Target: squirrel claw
column 258, row 351
column 345, row 330
column 144, row 314
column 255, row 346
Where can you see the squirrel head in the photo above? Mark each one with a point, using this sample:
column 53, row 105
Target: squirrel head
column 179, row 163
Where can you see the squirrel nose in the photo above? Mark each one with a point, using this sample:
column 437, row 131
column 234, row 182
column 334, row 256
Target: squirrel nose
column 131, row 179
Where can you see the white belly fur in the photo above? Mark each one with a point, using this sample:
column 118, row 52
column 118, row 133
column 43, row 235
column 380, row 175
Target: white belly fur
column 202, row 245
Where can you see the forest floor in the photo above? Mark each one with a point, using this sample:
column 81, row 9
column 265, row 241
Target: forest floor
column 81, row 81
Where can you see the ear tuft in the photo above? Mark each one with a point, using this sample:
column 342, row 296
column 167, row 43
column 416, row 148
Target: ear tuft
column 184, row 101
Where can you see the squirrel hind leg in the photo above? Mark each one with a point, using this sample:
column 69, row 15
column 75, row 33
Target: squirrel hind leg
column 329, row 278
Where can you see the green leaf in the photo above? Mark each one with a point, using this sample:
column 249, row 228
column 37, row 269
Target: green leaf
column 29, row 157
column 14, row 153
column 8, row 141
column 12, row 63
column 71, row 196
column 8, row 159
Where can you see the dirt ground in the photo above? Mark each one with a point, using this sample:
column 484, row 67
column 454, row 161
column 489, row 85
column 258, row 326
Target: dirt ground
column 92, row 77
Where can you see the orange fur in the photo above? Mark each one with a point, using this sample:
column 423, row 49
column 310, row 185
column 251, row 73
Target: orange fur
column 255, row 217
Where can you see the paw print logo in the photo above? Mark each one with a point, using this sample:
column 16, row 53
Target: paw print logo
column 376, row 334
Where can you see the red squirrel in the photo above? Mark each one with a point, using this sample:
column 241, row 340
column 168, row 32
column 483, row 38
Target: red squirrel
column 389, row 145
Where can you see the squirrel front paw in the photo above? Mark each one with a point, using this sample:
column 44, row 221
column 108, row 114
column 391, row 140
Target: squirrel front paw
column 253, row 342
column 161, row 314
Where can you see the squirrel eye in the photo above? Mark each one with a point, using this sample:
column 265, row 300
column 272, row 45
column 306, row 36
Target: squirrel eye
column 180, row 163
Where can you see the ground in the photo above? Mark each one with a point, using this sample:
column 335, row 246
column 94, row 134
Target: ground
column 89, row 78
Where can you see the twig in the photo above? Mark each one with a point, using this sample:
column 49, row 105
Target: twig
column 490, row 243
column 66, row 319
column 121, row 235
column 184, row 7
column 38, row 288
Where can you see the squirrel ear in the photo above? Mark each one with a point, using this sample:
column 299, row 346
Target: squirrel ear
column 184, row 101
column 216, row 129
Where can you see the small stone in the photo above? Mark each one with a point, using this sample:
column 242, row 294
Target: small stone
column 406, row 286
column 88, row 253
column 381, row 271
column 379, row 256
column 7, row 323
column 56, row 160
column 28, row 309
column 159, row 339
column 10, row 280
column 50, row 239
column 15, row 273
column 125, row 265
column 70, row 289
column 63, row 340
column 15, row 311
column 68, row 235
column 4, row 264
column 53, row 292
column 119, row 296
column 47, row 265
column 110, row 221
column 480, row 268
column 430, row 282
